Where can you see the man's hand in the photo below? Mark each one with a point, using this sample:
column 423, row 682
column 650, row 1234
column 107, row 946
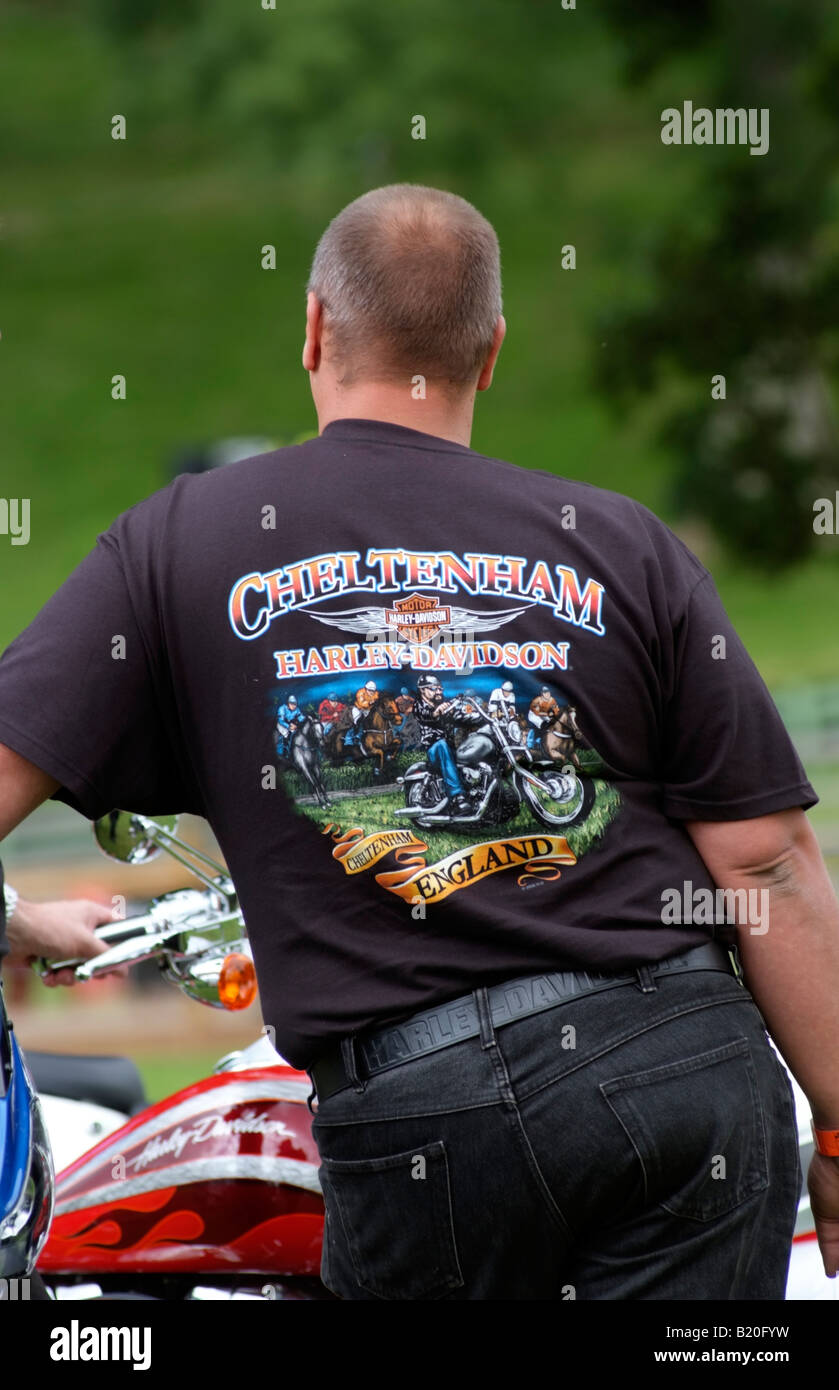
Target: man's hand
column 823, row 1182
column 58, row 931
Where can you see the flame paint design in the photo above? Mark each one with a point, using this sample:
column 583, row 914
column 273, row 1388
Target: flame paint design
column 242, row 1224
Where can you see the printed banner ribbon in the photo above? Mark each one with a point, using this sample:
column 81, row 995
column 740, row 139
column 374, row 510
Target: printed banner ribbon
column 537, row 857
column 357, row 851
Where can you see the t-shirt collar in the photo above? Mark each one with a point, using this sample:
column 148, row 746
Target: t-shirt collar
column 356, row 428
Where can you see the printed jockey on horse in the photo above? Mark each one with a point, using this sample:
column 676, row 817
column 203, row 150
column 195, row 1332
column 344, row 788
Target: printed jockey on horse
column 365, row 698
column 405, row 701
column 288, row 715
column 328, row 711
column 543, row 710
column 502, row 702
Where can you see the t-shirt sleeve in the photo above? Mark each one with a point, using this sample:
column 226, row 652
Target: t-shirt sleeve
column 726, row 752
column 84, row 696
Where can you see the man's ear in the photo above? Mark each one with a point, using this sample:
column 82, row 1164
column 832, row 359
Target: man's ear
column 314, row 328
column 497, row 339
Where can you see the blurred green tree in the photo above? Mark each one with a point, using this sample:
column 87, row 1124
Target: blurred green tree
column 315, row 80
column 744, row 281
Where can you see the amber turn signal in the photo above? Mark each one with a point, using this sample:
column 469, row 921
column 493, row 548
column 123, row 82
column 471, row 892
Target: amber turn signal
column 237, row 981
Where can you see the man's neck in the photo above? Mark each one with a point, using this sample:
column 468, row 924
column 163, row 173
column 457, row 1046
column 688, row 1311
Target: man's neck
column 445, row 417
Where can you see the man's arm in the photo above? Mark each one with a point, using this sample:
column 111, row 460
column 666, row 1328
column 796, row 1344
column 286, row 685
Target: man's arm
column 23, row 787
column 791, row 968
column 54, row 930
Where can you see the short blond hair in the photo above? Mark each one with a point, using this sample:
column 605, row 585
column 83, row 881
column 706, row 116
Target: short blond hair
column 410, row 283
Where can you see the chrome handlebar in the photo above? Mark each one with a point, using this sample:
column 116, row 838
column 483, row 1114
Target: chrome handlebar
column 189, row 932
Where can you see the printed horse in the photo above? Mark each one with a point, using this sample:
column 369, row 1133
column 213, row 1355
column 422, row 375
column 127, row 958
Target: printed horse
column 304, row 756
column 378, row 741
column 561, row 740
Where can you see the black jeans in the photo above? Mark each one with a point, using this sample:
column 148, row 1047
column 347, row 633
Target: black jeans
column 624, row 1145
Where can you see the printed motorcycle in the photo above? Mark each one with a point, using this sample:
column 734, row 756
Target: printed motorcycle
column 498, row 772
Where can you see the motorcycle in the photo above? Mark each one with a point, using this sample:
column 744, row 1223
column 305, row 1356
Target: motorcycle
column 27, row 1178
column 498, row 772
column 212, row 1193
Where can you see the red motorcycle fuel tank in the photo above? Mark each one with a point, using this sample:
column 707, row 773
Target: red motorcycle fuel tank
column 221, row 1176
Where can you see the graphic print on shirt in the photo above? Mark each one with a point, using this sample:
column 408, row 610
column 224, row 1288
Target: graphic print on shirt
column 430, row 753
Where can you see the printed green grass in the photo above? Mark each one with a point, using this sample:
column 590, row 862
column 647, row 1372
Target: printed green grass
column 375, row 813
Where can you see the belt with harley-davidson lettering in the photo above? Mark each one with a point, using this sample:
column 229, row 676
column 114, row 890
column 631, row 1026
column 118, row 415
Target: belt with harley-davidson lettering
column 457, row 1019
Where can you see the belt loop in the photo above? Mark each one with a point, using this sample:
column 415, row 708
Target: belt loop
column 313, row 1095
column 350, row 1064
column 646, row 980
column 484, row 1018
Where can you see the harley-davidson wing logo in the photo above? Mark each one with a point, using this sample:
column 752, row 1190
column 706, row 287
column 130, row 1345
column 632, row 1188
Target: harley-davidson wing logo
column 418, row 618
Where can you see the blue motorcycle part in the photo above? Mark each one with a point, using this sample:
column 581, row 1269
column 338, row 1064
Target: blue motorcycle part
column 27, row 1181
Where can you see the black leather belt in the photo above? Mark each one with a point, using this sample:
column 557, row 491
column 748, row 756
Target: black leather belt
column 456, row 1019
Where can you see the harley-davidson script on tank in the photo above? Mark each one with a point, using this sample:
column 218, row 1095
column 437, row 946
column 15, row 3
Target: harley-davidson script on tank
column 222, row 1173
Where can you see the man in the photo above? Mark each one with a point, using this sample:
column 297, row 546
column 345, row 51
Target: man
column 405, row 701
column 329, row 710
column 502, row 702
column 289, row 714
column 434, row 715
column 532, row 1074
column 543, row 710
column 364, row 700
column 55, row 929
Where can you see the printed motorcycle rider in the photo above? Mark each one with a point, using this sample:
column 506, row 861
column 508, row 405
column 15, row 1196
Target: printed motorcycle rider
column 437, row 717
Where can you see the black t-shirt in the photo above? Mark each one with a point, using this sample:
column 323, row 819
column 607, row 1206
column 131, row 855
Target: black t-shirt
column 182, row 667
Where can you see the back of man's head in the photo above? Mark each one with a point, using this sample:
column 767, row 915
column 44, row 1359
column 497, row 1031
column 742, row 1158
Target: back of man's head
column 409, row 279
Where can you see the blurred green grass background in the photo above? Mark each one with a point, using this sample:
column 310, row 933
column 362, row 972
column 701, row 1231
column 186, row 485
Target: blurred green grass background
column 163, row 1074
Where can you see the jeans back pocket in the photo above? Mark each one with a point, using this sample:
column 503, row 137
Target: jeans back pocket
column 697, row 1126
column 393, row 1217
